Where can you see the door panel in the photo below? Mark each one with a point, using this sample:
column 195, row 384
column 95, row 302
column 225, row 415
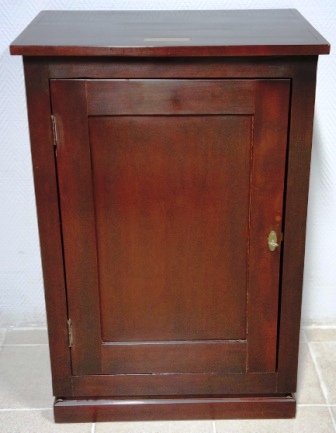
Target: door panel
column 169, row 357
column 266, row 208
column 169, row 97
column 165, row 215
column 194, row 384
column 171, row 234
column 78, row 222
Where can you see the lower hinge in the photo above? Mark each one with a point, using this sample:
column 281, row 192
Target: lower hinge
column 70, row 334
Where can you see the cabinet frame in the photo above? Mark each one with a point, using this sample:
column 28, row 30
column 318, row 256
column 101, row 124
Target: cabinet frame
column 302, row 73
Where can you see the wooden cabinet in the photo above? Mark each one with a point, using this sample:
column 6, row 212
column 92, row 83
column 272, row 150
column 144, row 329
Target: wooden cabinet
column 171, row 159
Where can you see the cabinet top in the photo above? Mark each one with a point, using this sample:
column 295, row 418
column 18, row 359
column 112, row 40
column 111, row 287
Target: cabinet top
column 269, row 32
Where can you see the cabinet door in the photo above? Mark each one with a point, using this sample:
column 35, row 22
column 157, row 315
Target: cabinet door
column 168, row 192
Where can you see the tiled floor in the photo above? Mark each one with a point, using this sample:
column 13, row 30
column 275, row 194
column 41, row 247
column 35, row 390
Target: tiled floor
column 25, row 392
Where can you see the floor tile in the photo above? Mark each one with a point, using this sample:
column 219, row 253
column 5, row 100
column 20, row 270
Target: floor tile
column 308, row 389
column 333, row 411
column 35, row 421
column 25, row 380
column 26, row 336
column 321, row 334
column 155, row 427
column 325, row 357
column 308, row 420
column 2, row 335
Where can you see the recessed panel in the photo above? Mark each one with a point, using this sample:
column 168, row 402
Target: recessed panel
column 171, row 197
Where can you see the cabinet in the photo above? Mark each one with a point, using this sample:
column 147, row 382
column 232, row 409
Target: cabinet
column 171, row 159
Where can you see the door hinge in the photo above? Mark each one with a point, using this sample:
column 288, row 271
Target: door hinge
column 70, row 334
column 54, row 130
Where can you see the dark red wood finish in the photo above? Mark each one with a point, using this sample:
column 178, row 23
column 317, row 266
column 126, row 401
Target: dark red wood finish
column 164, row 243
column 46, row 191
column 77, row 217
column 204, row 189
column 244, row 407
column 281, row 102
column 170, row 34
column 266, row 206
column 158, row 384
column 298, row 167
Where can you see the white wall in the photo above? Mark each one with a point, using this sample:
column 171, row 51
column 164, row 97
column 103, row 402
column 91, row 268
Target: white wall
column 21, row 290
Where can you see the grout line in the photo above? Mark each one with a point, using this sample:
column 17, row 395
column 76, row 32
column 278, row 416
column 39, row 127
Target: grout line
column 23, row 409
column 332, row 418
column 313, row 404
column 303, row 332
column 27, row 328
column 318, row 326
column 4, row 337
column 24, row 344
column 214, row 427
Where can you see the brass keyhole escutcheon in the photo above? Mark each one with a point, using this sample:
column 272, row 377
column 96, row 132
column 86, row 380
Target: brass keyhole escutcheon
column 272, row 241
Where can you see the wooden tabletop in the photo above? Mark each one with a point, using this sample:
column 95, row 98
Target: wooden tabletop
column 170, row 33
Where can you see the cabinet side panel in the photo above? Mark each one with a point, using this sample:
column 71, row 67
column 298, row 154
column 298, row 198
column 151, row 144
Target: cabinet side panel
column 300, row 139
column 42, row 149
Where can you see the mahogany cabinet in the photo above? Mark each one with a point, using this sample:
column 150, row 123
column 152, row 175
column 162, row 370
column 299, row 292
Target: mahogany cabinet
column 171, row 154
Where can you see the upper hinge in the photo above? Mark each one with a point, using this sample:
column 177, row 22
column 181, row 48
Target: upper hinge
column 70, row 334
column 54, row 130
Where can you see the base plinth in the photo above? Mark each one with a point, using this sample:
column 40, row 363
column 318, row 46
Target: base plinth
column 174, row 408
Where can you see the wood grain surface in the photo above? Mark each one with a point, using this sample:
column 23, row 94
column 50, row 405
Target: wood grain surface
column 170, row 33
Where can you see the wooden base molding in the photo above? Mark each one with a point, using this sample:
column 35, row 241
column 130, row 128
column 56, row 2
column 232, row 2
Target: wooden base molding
column 242, row 407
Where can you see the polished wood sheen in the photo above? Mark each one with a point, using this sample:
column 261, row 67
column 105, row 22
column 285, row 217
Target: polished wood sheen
column 282, row 406
column 179, row 140
column 148, row 191
column 170, row 33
